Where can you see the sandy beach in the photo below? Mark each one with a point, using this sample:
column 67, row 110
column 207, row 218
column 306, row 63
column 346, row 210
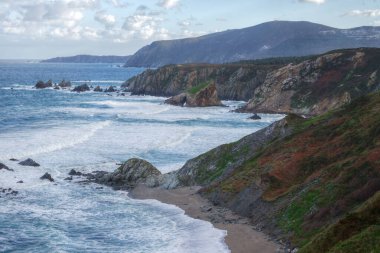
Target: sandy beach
column 241, row 236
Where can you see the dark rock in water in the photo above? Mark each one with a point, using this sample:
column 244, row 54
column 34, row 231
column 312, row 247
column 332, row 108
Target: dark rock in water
column 132, row 172
column 255, row 117
column 5, row 167
column 48, row 177
column 110, row 89
column 69, row 178
column 64, row 84
column 98, row 89
column 29, row 162
column 81, row 88
column 56, row 87
column 20, row 182
column 13, row 159
column 122, row 94
column 43, row 85
column 75, row 173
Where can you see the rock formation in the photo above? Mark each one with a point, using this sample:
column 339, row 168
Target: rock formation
column 64, row 84
column 29, row 162
column 5, row 167
column 200, row 96
column 81, row 88
column 47, row 176
column 43, row 85
column 98, row 89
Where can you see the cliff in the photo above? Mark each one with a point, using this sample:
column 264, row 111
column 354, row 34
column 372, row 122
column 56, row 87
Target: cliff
column 271, row 39
column 320, row 84
column 234, row 81
column 88, row 59
column 312, row 181
column 305, row 86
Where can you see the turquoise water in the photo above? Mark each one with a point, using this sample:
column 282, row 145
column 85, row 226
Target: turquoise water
column 93, row 131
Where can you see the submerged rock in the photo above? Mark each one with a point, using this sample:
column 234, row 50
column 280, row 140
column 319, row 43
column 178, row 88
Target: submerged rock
column 178, row 100
column 81, row 88
column 255, row 117
column 5, row 167
column 13, row 160
column 47, row 176
column 42, row 85
column 75, row 173
column 29, row 162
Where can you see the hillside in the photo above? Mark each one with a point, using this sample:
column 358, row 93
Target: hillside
column 271, row 39
column 313, row 181
column 307, row 85
column 88, row 59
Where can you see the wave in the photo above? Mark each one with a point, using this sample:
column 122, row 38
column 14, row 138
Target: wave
column 46, row 141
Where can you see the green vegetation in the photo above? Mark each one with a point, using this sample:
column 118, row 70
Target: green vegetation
column 194, row 90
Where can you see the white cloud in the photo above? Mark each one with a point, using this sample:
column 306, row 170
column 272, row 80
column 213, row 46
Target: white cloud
column 105, row 19
column 365, row 13
column 168, row 4
column 313, row 1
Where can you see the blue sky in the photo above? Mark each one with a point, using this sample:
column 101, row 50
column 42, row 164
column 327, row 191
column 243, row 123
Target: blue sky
column 46, row 28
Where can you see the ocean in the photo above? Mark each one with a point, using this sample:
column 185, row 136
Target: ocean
column 90, row 131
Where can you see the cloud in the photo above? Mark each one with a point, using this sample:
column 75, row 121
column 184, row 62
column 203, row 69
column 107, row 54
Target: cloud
column 168, row 4
column 365, row 13
column 106, row 19
column 313, row 1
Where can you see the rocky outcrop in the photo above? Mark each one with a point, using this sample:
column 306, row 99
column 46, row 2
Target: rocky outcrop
column 255, row 117
column 43, row 85
column 98, row 89
column 205, row 95
column 5, row 167
column 110, row 89
column 89, row 59
column 233, row 81
column 81, row 88
column 29, row 162
column 47, row 176
column 64, row 84
column 318, row 85
column 132, row 172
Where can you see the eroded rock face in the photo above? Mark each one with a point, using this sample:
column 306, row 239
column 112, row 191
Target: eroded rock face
column 315, row 86
column 207, row 96
column 47, row 176
column 132, row 172
column 5, row 167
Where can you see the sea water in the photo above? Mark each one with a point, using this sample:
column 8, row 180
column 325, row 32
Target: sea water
column 91, row 131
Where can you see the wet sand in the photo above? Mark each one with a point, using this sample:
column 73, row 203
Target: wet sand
column 241, row 236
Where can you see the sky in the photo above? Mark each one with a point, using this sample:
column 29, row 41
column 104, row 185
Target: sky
column 40, row 29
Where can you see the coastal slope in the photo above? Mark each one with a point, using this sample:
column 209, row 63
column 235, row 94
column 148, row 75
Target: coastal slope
column 306, row 182
column 270, row 39
column 88, row 59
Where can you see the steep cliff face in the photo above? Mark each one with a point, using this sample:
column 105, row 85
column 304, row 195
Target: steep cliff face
column 234, row 81
column 318, row 85
column 301, row 179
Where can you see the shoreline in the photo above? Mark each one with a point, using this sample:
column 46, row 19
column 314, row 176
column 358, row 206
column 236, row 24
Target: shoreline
column 241, row 236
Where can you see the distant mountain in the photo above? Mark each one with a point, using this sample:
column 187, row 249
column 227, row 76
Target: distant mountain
column 271, row 39
column 89, row 59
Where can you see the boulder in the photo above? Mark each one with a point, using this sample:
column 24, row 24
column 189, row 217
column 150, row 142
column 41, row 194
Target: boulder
column 5, row 167
column 132, row 172
column 42, row 85
column 56, row 87
column 29, row 162
column 98, row 89
column 13, row 159
column 81, row 88
column 110, row 89
column 64, row 84
column 206, row 96
column 47, row 176
column 255, row 117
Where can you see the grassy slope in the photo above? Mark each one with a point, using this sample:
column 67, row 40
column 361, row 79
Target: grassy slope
column 313, row 178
